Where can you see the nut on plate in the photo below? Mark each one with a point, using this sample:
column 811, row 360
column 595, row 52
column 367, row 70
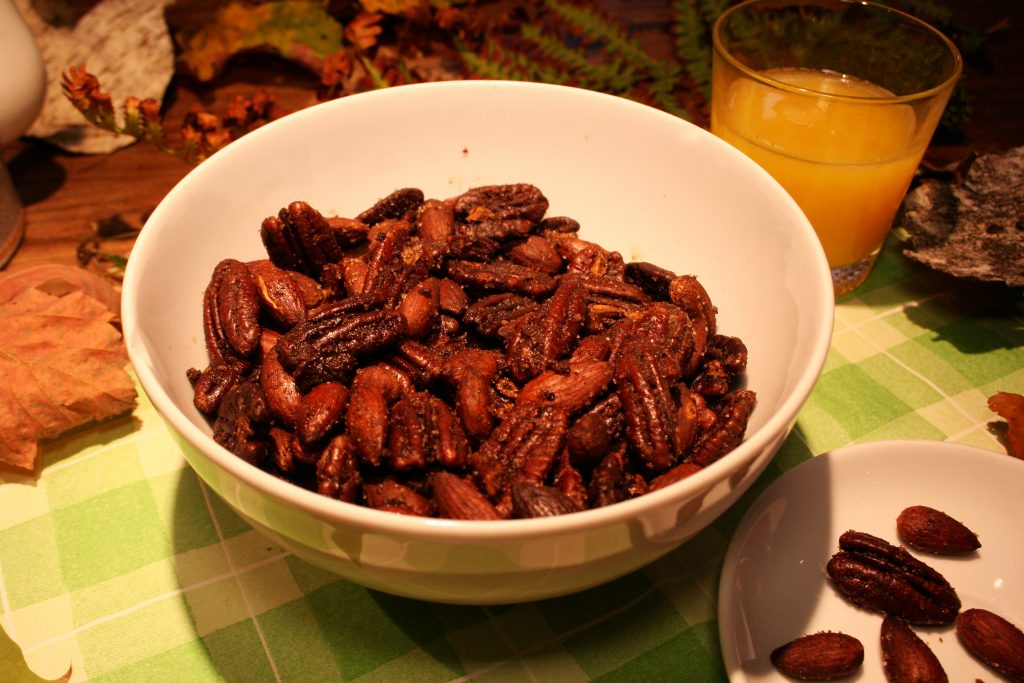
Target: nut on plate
column 905, row 657
column 993, row 640
column 933, row 531
column 878, row 576
column 820, row 656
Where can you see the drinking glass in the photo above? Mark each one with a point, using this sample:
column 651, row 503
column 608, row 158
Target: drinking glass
column 838, row 100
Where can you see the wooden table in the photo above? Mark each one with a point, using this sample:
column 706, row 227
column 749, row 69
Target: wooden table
column 65, row 195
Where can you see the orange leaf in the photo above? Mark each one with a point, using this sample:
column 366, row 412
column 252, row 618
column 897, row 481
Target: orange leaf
column 62, row 365
column 363, row 30
column 1011, row 408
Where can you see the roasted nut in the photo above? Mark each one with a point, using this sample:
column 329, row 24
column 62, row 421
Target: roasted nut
column 320, row 412
column 905, row 657
column 930, row 530
column 732, row 413
column 530, row 499
column 337, row 470
column 571, row 391
column 819, row 656
column 396, row 205
column 391, row 496
column 501, row 202
column 878, row 576
column 281, row 296
column 231, row 312
column 994, row 640
column 457, row 498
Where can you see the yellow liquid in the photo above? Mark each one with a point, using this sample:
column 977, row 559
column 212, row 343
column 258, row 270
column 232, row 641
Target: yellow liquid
column 847, row 163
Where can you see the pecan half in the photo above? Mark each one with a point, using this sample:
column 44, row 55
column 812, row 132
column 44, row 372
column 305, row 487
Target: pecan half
column 231, row 308
column 548, row 334
column 878, row 576
column 501, row 202
column 501, row 276
column 337, row 470
column 732, row 413
column 647, row 405
column 300, row 238
column 522, row 447
column 397, row 205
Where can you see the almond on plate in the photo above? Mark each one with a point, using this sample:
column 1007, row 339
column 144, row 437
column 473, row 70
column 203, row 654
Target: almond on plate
column 933, row 531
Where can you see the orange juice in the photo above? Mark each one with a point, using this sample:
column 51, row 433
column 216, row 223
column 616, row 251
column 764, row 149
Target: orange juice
column 846, row 160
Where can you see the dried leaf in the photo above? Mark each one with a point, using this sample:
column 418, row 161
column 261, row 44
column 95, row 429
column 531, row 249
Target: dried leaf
column 57, row 279
column 1010, row 407
column 363, row 30
column 300, row 30
column 12, row 663
column 135, row 59
column 62, row 365
column 390, row 6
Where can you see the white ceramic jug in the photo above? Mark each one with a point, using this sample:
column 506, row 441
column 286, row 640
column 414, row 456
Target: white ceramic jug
column 22, row 89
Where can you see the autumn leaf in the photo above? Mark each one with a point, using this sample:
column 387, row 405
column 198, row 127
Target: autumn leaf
column 390, row 6
column 12, row 663
column 299, row 30
column 62, row 365
column 1010, row 407
column 363, row 30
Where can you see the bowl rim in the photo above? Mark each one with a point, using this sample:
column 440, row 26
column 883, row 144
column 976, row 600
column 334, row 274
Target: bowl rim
column 335, row 511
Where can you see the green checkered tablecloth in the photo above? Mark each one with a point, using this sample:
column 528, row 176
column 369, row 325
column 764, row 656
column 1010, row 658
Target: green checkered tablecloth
column 119, row 563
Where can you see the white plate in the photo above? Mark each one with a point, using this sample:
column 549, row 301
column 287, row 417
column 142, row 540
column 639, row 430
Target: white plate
column 774, row 587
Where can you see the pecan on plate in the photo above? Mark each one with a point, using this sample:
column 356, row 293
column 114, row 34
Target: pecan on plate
column 878, row 576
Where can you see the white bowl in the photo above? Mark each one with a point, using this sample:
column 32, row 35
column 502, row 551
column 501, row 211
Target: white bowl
column 638, row 180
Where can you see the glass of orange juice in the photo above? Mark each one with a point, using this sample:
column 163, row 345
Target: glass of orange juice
column 838, row 100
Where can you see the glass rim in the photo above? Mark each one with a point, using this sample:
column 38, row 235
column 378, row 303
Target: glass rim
column 958, row 62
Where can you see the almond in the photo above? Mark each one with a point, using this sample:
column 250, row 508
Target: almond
column 993, row 640
column 457, row 498
column 905, row 657
column 819, row 656
column 933, row 531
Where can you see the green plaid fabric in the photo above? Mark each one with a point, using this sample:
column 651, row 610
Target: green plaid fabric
column 118, row 562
